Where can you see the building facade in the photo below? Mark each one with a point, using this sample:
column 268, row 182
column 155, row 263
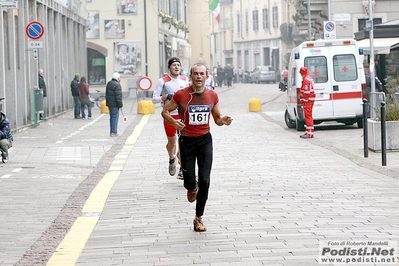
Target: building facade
column 61, row 53
column 134, row 38
column 258, row 27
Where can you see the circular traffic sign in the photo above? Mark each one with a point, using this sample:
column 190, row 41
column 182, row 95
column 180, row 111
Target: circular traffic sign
column 34, row 30
column 330, row 26
column 144, row 83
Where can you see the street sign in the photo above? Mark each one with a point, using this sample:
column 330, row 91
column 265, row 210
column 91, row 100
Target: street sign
column 144, row 83
column 369, row 25
column 34, row 30
column 35, row 44
column 329, row 30
column 9, row 4
column 35, row 54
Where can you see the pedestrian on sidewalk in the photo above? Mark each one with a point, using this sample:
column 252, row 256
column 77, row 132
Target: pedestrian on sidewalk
column 240, row 72
column 307, row 97
column 5, row 137
column 195, row 104
column 229, row 72
column 75, row 95
column 113, row 97
column 42, row 86
column 220, row 75
column 163, row 93
column 84, row 94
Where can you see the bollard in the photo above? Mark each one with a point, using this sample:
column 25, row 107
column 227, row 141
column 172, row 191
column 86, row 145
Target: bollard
column 104, row 108
column 365, row 132
column 145, row 107
column 255, row 105
column 383, row 136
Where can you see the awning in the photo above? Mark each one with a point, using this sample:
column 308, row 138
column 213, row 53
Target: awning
column 381, row 45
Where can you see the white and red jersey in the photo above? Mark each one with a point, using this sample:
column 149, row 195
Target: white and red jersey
column 210, row 82
column 169, row 85
column 307, row 90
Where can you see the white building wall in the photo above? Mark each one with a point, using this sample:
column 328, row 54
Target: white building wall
column 63, row 53
column 261, row 46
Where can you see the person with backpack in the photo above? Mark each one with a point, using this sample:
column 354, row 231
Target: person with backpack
column 163, row 93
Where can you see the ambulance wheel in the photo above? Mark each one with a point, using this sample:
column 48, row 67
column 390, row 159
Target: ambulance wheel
column 359, row 122
column 288, row 121
column 300, row 125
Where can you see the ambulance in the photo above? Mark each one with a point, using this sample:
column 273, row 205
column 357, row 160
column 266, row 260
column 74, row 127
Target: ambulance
column 336, row 67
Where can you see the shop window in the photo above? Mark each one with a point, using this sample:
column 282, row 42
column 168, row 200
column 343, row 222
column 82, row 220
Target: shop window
column 96, row 67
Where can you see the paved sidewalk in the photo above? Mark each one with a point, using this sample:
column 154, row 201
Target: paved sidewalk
column 273, row 196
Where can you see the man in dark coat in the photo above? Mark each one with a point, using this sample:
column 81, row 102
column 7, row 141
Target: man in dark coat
column 229, row 72
column 113, row 97
column 220, row 75
column 75, row 95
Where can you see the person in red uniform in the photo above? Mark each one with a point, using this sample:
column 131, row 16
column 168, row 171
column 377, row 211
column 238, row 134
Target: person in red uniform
column 307, row 97
column 195, row 105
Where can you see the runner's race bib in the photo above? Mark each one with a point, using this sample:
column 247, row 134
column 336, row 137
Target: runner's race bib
column 198, row 114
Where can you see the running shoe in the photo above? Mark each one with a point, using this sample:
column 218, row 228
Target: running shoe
column 172, row 166
column 192, row 195
column 180, row 174
column 199, row 225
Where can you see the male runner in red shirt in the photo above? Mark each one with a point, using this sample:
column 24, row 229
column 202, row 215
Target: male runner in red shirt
column 195, row 105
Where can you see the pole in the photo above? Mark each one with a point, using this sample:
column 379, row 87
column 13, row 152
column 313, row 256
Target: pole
column 329, row 10
column 383, row 136
column 309, row 23
column 372, row 74
column 145, row 38
column 365, row 132
column 35, row 91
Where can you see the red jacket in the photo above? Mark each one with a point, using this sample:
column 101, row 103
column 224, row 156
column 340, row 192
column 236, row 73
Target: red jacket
column 83, row 90
column 307, row 89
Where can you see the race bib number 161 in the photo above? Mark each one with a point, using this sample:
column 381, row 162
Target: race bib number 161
column 198, row 114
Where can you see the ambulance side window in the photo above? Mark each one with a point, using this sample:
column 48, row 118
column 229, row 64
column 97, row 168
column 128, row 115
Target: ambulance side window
column 345, row 68
column 293, row 76
column 317, row 67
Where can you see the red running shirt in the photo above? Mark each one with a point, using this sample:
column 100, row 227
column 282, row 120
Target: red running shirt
column 195, row 110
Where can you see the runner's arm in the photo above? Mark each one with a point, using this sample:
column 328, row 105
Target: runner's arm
column 170, row 106
column 156, row 95
column 218, row 118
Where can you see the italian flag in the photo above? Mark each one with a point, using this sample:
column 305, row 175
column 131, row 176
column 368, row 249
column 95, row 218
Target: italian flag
column 215, row 7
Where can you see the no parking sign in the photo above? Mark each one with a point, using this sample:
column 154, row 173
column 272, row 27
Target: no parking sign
column 34, row 30
column 329, row 30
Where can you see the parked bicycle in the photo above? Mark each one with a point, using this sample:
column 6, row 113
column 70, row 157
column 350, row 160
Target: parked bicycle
column 99, row 98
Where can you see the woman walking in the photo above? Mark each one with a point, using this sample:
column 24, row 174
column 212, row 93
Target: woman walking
column 84, row 97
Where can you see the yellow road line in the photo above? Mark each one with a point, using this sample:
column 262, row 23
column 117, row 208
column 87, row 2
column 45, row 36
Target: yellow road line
column 72, row 246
